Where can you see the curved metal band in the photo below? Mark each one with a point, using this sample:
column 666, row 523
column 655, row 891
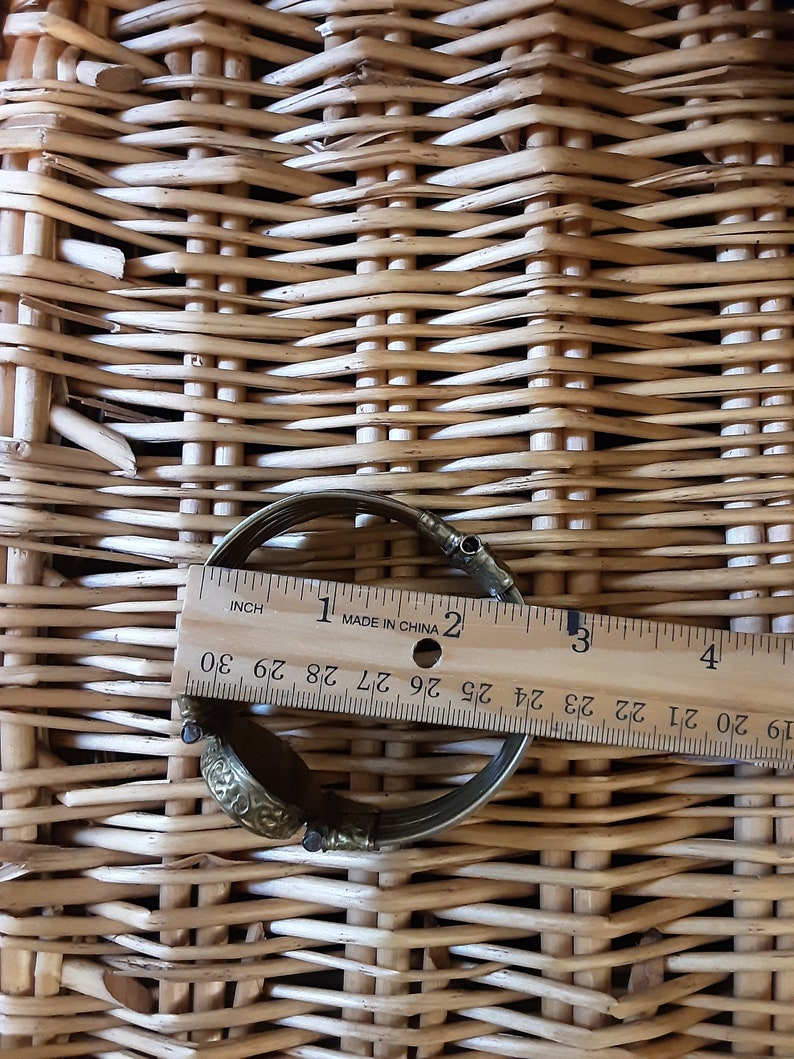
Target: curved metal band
column 260, row 781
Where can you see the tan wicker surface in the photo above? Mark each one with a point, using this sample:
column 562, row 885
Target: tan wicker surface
column 521, row 261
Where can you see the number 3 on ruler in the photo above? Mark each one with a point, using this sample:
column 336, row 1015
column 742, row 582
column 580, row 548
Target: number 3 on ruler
column 582, row 643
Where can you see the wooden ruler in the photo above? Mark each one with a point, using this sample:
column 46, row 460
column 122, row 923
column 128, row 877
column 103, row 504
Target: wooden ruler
column 477, row 663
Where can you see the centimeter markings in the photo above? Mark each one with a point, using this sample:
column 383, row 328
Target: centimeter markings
column 382, row 652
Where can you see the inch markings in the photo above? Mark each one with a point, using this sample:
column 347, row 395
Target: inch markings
column 409, row 655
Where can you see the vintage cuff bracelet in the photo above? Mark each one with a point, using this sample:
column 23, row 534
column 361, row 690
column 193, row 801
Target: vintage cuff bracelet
column 260, row 781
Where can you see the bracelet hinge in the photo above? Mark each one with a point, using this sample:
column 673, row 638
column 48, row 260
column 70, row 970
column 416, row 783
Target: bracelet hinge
column 466, row 551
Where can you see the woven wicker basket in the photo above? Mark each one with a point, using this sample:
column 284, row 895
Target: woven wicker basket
column 520, row 261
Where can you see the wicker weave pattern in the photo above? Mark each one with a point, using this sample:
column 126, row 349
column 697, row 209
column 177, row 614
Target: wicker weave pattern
column 521, row 261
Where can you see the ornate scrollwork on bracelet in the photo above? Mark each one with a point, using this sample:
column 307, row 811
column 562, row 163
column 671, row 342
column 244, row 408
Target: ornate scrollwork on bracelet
column 241, row 797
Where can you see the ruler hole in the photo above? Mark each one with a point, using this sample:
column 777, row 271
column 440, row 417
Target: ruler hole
column 427, row 653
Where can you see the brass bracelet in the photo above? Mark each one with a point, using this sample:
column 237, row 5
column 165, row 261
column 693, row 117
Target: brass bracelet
column 260, row 781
